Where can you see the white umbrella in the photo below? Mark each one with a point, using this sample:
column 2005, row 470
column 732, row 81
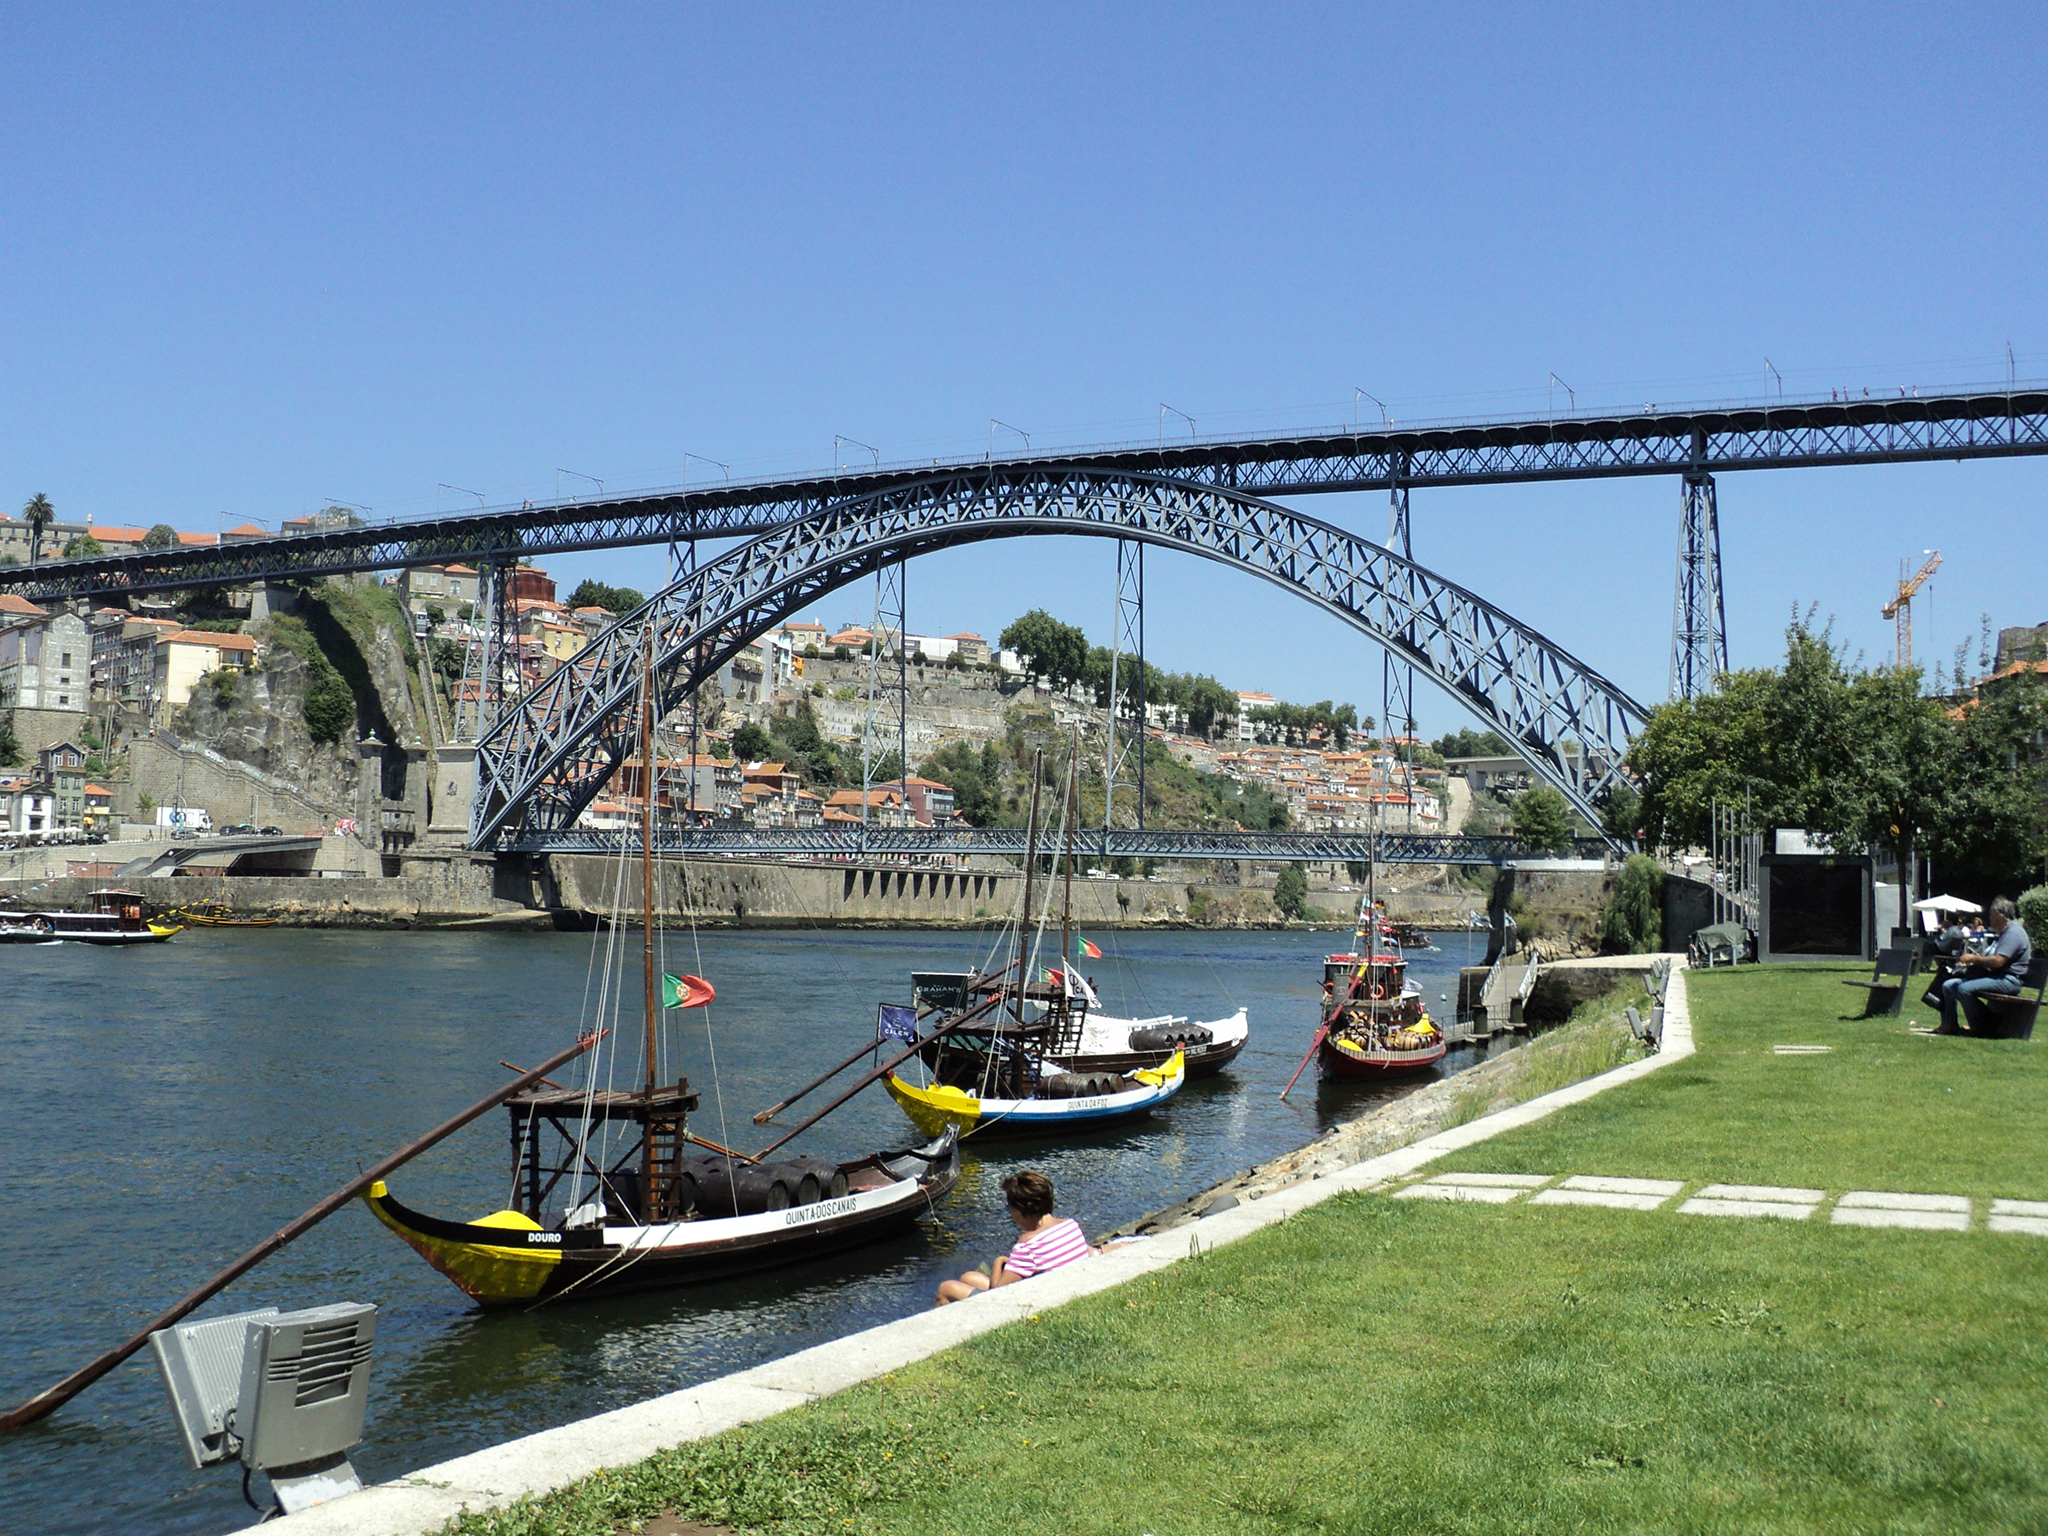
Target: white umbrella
column 1946, row 904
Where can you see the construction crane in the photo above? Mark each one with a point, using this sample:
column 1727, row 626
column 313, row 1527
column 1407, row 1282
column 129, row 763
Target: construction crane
column 1901, row 607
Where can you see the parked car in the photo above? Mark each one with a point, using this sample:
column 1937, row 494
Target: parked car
column 272, row 832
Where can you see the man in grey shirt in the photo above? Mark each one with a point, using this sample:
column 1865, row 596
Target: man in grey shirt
column 1998, row 970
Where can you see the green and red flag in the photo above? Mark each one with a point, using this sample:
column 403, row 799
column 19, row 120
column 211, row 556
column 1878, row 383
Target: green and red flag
column 1085, row 949
column 686, row 992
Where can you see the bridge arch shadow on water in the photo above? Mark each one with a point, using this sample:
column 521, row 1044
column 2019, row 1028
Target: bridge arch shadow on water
column 549, row 753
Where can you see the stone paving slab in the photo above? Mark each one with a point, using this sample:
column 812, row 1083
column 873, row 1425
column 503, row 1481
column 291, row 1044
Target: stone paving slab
column 1768, row 1192
column 1697, row 1206
column 1495, row 1180
column 2033, row 1226
column 1492, row 1194
column 2019, row 1207
column 1879, row 1216
column 1663, row 1189
column 1885, row 1200
column 1614, row 1199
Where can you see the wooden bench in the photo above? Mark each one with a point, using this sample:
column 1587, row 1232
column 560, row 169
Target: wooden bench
column 1887, row 985
column 2011, row 1014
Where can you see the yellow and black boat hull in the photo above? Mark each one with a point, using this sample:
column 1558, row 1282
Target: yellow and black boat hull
column 506, row 1259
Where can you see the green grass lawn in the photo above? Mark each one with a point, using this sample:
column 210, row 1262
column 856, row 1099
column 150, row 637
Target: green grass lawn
column 1376, row 1365
column 1884, row 1109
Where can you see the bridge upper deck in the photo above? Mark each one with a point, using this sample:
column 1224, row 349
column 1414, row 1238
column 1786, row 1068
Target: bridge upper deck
column 1721, row 439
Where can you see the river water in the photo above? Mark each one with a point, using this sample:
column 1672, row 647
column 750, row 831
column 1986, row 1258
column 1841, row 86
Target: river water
column 165, row 1108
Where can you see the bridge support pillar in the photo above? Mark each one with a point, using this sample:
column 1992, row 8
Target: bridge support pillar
column 1126, row 638
column 890, row 611
column 1699, row 624
column 1397, row 679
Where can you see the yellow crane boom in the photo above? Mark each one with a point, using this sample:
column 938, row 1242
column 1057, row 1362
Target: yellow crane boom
column 1901, row 606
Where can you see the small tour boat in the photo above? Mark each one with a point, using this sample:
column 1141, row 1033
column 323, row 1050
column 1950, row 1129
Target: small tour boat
column 1374, row 1022
column 218, row 914
column 785, row 1212
column 607, row 1196
column 115, row 919
column 1374, row 1025
column 1058, row 1102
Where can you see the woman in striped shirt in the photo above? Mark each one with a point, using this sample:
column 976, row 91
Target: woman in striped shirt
column 1048, row 1241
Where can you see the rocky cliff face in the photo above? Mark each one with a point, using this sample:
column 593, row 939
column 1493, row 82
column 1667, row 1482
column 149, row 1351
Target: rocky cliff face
column 260, row 719
column 262, row 722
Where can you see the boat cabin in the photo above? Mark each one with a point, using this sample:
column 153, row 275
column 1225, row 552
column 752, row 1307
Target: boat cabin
column 113, row 913
column 1000, row 1049
column 608, row 1135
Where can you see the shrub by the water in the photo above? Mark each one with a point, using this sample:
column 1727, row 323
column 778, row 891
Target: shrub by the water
column 1632, row 920
column 2033, row 905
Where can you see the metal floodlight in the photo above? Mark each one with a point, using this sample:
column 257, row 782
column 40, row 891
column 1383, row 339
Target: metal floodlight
column 201, row 1364
column 283, row 1392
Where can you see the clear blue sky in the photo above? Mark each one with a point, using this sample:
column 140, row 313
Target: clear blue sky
column 259, row 259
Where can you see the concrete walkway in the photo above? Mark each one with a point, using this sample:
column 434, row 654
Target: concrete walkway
column 427, row 1499
column 1849, row 1208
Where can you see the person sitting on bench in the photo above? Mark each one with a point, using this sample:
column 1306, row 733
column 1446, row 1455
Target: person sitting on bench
column 1997, row 970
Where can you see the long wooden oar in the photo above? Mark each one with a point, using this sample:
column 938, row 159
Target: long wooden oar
column 818, row 1082
column 1321, row 1030
column 55, row 1397
column 885, row 1068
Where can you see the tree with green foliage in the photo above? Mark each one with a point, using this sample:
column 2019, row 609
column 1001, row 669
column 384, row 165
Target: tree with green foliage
column 160, row 536
column 330, row 705
column 446, row 657
column 83, row 546
column 2033, row 908
column 751, row 744
column 38, row 514
column 1772, row 738
column 1290, row 892
column 10, row 743
column 613, row 600
column 1295, row 722
column 803, row 746
column 1470, row 743
column 976, row 779
column 1991, row 830
column 1620, row 812
column 1543, row 819
column 1861, row 758
column 1632, row 919
column 1055, row 651
column 1207, row 700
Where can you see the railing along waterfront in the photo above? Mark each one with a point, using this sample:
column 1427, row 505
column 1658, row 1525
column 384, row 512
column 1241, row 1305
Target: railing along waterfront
column 1090, row 844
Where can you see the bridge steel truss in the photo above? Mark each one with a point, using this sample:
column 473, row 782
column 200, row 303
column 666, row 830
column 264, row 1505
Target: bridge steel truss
column 549, row 753
column 1692, row 443
column 1090, row 843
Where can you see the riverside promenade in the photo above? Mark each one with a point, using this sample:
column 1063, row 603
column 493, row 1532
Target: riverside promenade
column 538, row 1464
column 1785, row 1275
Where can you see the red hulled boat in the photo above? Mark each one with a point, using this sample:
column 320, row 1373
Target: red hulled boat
column 1374, row 1023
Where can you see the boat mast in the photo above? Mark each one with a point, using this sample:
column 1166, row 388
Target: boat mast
column 647, row 845
column 1030, row 869
column 1073, row 810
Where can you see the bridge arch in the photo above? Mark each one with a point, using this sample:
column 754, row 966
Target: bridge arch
column 547, row 755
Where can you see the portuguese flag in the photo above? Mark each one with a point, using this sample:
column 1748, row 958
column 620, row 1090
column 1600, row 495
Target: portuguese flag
column 686, row 992
column 1084, row 949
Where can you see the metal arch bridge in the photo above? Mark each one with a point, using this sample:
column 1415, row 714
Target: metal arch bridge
column 1693, row 443
column 1090, row 843
column 549, row 753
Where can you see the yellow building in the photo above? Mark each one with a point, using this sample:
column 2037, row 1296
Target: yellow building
column 184, row 656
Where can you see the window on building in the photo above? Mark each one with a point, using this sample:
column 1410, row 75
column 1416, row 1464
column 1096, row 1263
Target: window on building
column 66, row 661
